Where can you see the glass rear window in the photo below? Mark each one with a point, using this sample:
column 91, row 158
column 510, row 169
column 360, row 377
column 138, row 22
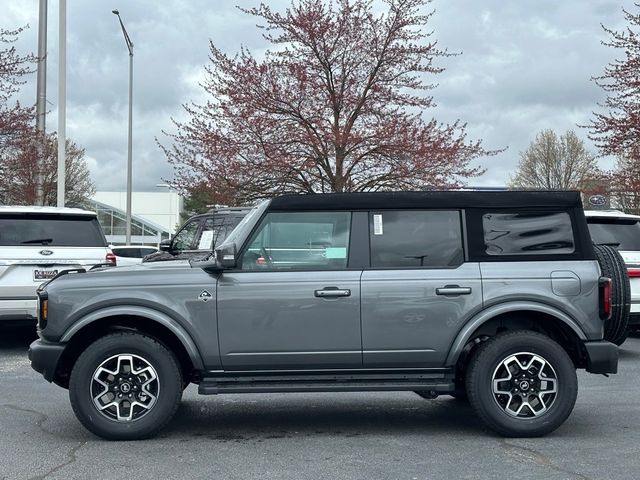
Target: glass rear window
column 622, row 234
column 548, row 233
column 53, row 230
column 129, row 252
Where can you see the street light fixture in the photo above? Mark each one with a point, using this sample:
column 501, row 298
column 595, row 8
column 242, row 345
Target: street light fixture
column 130, row 142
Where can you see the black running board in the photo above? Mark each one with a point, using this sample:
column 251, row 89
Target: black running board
column 354, row 382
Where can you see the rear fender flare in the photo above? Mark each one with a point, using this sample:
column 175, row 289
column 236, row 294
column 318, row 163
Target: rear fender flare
column 484, row 316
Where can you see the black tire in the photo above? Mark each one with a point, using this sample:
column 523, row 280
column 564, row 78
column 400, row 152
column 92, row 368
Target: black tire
column 118, row 346
column 487, row 363
column 612, row 265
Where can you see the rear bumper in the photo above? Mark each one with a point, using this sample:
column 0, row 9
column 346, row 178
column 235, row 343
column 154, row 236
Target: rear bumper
column 602, row 357
column 18, row 309
column 44, row 357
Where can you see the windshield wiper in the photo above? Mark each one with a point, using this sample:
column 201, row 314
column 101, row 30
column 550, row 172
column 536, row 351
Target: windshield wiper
column 43, row 241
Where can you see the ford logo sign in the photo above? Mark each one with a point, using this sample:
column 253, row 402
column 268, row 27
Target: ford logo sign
column 45, row 252
column 597, row 200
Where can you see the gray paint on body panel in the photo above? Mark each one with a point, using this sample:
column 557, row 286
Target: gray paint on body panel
column 171, row 289
column 532, row 282
column 273, row 320
column 406, row 323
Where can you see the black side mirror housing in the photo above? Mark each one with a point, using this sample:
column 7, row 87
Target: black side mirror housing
column 165, row 245
column 224, row 259
column 226, row 256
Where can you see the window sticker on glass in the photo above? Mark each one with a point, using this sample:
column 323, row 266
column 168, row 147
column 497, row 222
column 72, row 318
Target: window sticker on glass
column 335, row 252
column 377, row 224
column 205, row 240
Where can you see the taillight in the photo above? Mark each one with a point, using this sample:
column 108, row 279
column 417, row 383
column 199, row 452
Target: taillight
column 110, row 258
column 605, row 298
column 634, row 272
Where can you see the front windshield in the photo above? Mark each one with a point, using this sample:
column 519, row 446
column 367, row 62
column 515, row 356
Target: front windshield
column 242, row 230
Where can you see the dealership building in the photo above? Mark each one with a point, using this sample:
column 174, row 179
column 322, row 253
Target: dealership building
column 154, row 216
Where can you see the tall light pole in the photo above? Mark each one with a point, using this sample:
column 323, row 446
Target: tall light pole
column 129, row 153
column 62, row 101
column 41, row 97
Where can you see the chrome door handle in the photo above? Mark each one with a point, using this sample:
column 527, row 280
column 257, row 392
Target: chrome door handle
column 453, row 290
column 332, row 292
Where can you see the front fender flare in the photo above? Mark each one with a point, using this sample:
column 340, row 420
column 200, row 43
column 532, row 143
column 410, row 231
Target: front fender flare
column 484, row 316
column 145, row 312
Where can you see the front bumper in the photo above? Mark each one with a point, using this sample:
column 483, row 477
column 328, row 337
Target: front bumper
column 602, row 357
column 45, row 356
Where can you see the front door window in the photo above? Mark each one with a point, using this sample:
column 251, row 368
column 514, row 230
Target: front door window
column 299, row 241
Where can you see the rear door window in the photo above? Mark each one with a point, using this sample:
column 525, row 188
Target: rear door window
column 53, row 230
column 416, row 238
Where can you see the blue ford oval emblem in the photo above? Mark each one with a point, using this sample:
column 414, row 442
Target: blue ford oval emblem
column 597, row 200
column 45, row 252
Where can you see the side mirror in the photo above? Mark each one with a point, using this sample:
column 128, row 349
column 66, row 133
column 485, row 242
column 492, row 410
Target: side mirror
column 224, row 259
column 226, row 256
column 165, row 245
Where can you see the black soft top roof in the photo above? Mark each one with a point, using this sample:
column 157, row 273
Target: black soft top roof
column 429, row 199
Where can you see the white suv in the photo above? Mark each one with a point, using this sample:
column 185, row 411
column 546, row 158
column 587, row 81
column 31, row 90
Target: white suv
column 622, row 231
column 36, row 243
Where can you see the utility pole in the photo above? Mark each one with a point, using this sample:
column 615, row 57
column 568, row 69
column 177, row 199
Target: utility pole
column 41, row 99
column 62, row 100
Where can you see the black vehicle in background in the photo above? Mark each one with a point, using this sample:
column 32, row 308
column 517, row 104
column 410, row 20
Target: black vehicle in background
column 198, row 235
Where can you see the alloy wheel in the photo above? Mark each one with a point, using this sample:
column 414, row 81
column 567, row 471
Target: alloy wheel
column 125, row 387
column 525, row 385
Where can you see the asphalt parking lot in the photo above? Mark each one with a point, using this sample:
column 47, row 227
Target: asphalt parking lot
column 316, row 436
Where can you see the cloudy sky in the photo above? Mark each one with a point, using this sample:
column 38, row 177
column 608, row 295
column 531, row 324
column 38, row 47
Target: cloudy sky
column 525, row 66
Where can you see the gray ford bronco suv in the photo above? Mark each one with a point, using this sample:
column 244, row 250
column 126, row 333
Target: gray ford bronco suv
column 496, row 297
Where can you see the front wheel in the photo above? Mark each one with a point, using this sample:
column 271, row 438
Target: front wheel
column 522, row 384
column 125, row 386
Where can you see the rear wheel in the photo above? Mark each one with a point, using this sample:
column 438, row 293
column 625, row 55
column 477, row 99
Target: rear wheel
column 125, row 386
column 522, row 384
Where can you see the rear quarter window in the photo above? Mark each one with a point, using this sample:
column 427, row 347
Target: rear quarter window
column 53, row 230
column 543, row 233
